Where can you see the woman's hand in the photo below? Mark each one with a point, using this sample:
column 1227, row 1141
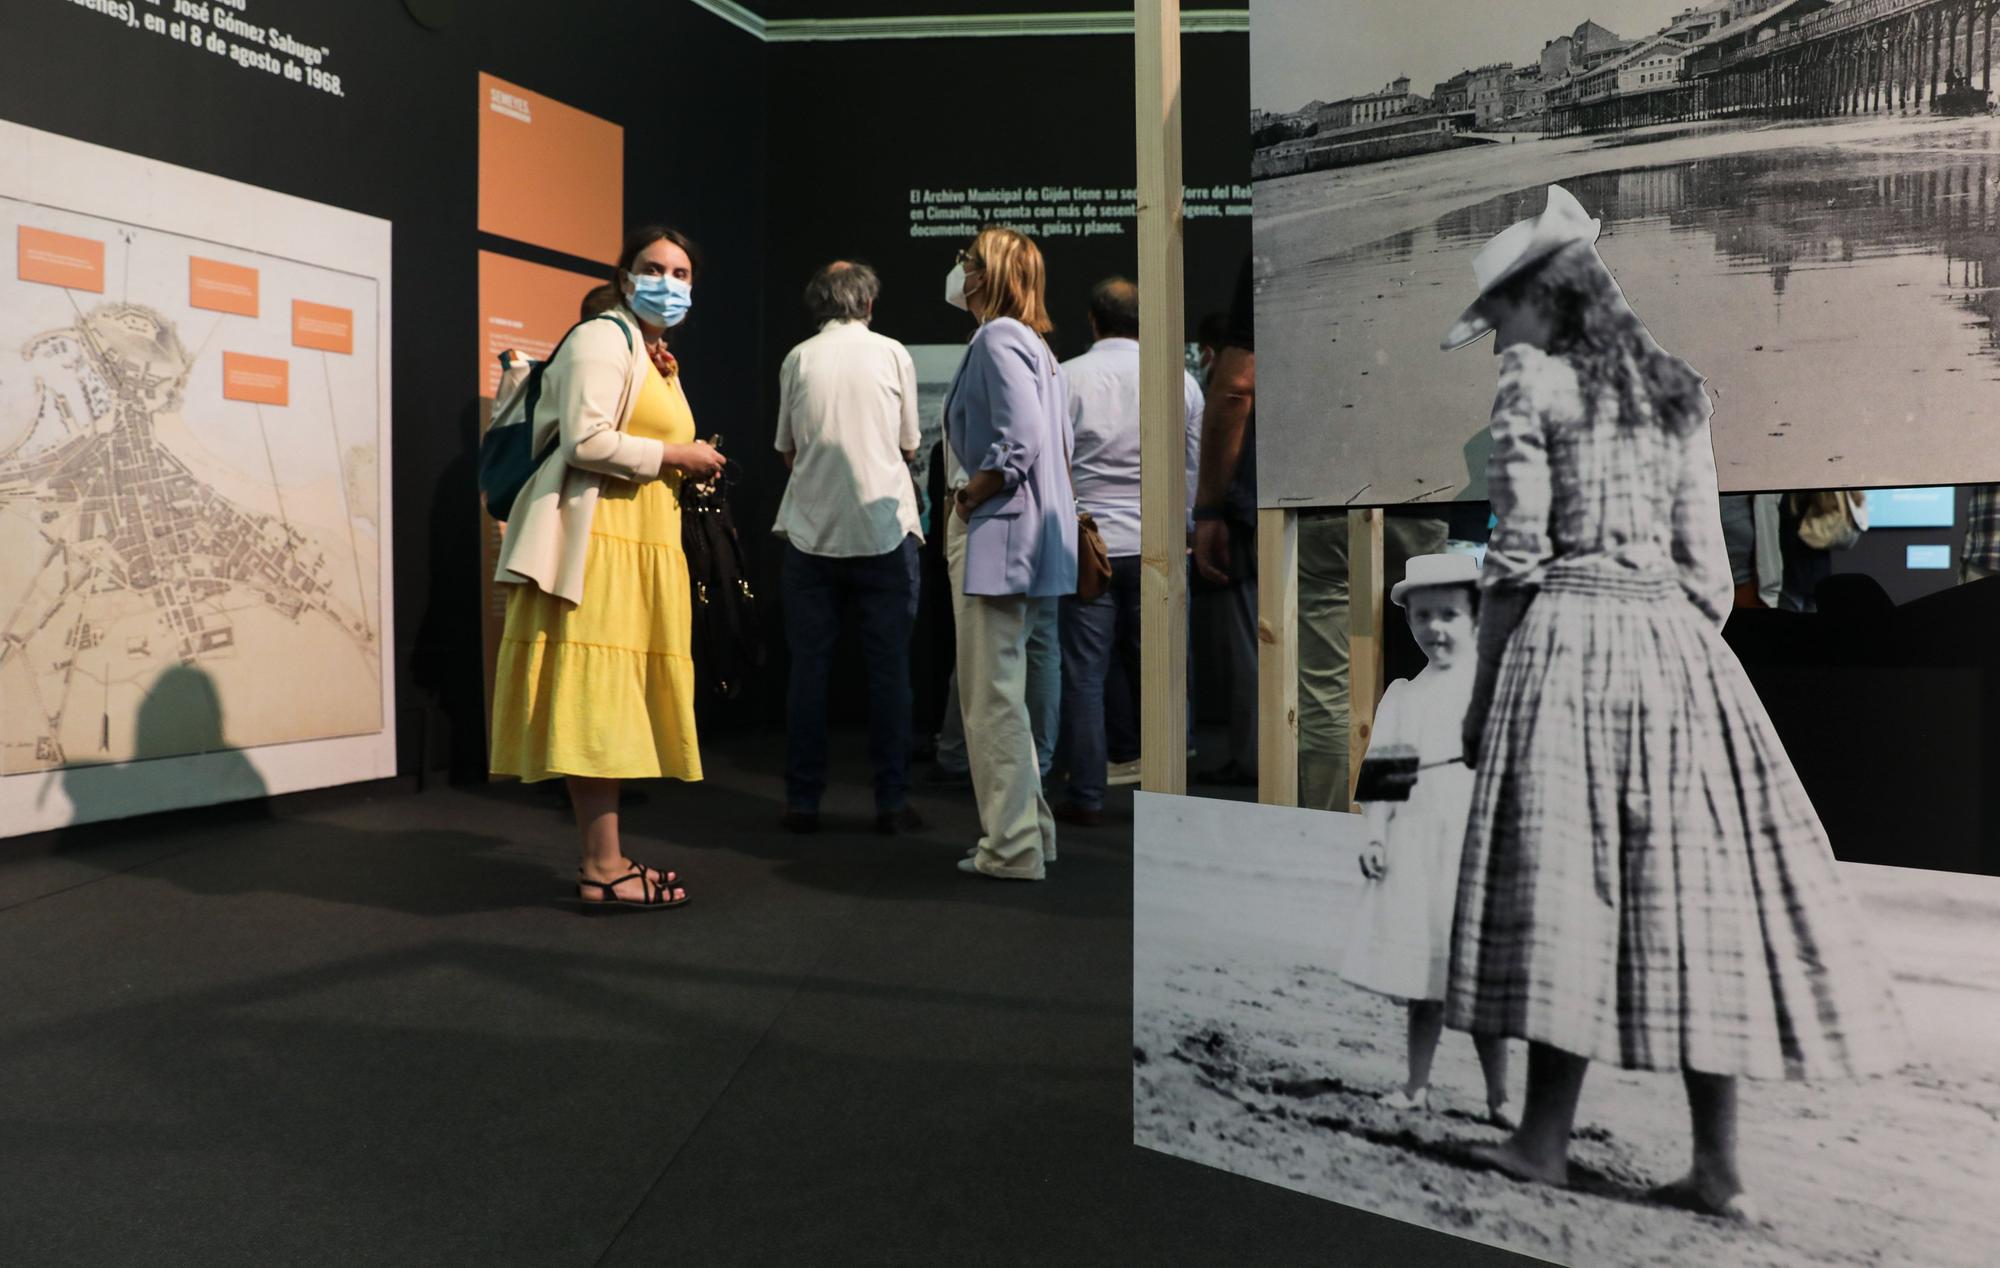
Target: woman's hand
column 1473, row 730
column 983, row 486
column 700, row 460
column 1374, row 861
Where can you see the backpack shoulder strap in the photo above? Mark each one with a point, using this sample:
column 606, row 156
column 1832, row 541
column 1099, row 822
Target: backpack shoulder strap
column 536, row 371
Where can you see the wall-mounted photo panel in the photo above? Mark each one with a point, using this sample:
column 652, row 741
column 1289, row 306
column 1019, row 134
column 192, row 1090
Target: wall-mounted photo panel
column 1801, row 197
column 1256, row 1051
column 194, row 480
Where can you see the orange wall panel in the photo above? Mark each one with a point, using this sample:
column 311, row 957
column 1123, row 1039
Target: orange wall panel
column 59, row 259
column 549, row 174
column 222, row 288
column 257, row 380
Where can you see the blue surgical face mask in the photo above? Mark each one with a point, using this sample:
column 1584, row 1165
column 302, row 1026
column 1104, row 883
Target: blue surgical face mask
column 660, row 300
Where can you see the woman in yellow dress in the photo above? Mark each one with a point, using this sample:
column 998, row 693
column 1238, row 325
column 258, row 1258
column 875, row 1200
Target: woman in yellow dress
column 594, row 680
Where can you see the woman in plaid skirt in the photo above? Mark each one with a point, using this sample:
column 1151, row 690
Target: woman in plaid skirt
column 1644, row 880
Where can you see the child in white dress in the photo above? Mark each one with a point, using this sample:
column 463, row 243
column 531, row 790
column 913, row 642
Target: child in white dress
column 1401, row 941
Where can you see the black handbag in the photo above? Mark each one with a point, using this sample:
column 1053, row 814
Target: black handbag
column 727, row 642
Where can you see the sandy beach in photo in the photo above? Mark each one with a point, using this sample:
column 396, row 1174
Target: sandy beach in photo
column 1829, row 279
column 1251, row 1054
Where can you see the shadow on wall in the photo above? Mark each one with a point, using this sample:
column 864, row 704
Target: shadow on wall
column 181, row 716
column 448, row 661
column 418, row 871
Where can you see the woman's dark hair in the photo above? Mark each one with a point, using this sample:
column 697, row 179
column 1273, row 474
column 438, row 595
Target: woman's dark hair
column 1596, row 331
column 646, row 235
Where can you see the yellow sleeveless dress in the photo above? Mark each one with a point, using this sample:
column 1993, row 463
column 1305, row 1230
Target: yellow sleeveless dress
column 606, row 688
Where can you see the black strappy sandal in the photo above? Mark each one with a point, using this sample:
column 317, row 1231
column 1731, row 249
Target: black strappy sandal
column 657, row 897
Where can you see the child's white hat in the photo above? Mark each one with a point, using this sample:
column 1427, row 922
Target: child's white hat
column 1451, row 568
column 1518, row 246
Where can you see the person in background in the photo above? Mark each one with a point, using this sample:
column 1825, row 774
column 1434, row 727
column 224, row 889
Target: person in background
column 1104, row 468
column 594, row 680
column 1982, row 535
column 847, row 429
column 1225, row 515
column 1804, row 566
column 599, row 299
column 1012, row 538
column 1209, row 337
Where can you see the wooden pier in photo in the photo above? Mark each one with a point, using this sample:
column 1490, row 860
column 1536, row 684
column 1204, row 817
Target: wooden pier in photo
column 1824, row 60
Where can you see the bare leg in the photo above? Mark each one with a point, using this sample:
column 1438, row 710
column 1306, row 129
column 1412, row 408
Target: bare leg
column 1539, row 1147
column 1493, row 1061
column 1426, row 1028
column 596, row 804
column 1713, row 1184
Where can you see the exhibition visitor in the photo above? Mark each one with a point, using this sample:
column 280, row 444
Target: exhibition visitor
column 1644, row 879
column 593, row 680
column 1011, row 540
column 1101, row 632
column 1225, row 515
column 847, row 429
column 1982, row 535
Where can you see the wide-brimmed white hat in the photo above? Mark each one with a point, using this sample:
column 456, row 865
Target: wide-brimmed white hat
column 1521, row 245
column 1451, row 568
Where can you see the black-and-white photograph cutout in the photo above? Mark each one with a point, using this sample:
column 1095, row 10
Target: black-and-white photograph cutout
column 1603, row 992
column 1802, row 196
column 1255, row 1052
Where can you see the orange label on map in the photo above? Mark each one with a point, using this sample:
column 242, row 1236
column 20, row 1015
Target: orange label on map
column 549, row 173
column 322, row 326
column 222, row 288
column 526, row 308
column 258, row 380
column 57, row 259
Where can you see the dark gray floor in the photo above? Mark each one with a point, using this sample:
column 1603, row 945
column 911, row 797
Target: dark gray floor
column 372, row 1034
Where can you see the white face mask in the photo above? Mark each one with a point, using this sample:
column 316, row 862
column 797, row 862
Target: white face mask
column 954, row 288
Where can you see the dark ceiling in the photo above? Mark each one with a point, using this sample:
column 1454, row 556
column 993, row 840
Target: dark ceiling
column 776, row 10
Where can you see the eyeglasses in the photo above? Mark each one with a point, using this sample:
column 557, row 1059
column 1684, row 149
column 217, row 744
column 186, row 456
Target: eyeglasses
column 970, row 261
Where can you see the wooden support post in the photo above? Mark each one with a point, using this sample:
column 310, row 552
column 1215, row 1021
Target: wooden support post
column 1278, row 657
column 1365, row 593
column 1989, row 49
column 1163, row 623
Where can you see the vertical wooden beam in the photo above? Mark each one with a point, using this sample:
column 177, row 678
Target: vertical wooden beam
column 1278, row 657
column 1163, row 625
column 1989, row 49
column 1365, row 593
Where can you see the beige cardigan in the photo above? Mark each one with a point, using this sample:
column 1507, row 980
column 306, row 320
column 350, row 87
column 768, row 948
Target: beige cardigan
column 588, row 394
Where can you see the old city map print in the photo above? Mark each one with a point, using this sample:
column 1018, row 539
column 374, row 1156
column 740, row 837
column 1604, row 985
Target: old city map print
column 182, row 484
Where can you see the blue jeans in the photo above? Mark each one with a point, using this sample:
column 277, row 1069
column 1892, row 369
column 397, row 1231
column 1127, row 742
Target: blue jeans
column 1044, row 698
column 882, row 593
column 1096, row 632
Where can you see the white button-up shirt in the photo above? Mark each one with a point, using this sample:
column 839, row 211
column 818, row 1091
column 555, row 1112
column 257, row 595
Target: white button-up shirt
column 847, row 410
column 1104, row 409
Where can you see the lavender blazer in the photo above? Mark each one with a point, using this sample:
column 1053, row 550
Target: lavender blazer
column 1008, row 411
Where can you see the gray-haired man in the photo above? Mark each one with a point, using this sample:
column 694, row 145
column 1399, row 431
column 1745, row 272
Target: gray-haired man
column 847, row 427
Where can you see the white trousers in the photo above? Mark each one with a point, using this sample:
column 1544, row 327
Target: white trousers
column 1017, row 830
